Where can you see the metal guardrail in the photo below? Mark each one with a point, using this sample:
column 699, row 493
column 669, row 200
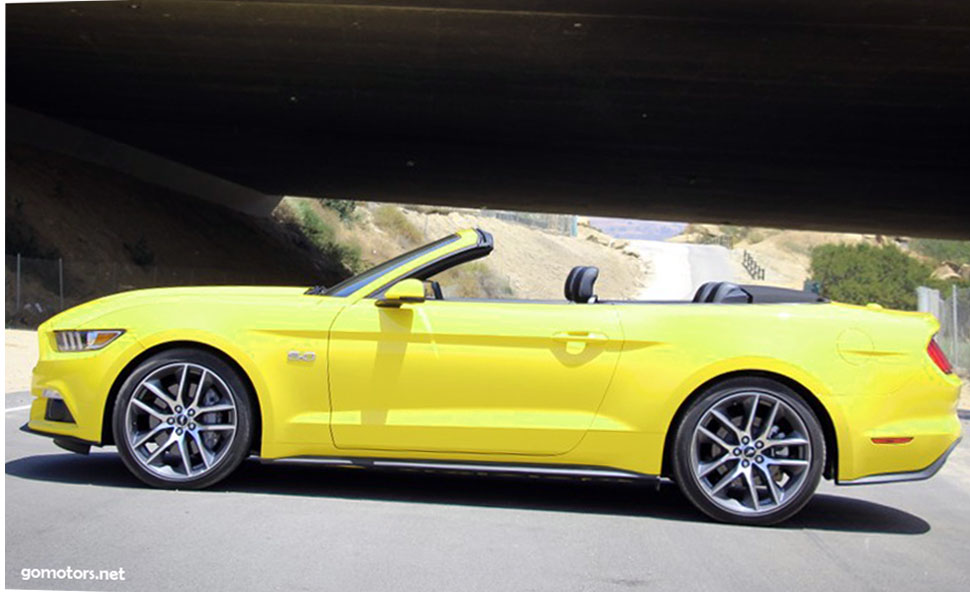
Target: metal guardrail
column 558, row 223
column 722, row 239
column 756, row 271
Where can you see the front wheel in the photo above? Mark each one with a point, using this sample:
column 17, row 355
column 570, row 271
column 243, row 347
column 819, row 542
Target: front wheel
column 749, row 451
column 183, row 420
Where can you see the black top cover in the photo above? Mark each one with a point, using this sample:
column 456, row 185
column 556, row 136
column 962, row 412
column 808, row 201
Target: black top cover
column 729, row 293
column 771, row 294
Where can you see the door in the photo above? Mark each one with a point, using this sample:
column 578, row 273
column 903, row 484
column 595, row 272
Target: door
column 470, row 376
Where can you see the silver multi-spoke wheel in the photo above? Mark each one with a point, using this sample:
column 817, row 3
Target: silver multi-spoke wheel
column 180, row 421
column 751, row 453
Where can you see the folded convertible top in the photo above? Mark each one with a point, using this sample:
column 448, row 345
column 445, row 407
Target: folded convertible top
column 731, row 293
column 771, row 294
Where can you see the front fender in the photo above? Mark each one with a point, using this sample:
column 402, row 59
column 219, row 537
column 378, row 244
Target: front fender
column 234, row 352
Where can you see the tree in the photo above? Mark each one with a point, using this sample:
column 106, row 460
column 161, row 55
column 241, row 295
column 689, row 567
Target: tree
column 859, row 274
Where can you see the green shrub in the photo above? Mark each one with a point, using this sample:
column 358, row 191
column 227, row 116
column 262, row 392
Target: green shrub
column 391, row 219
column 347, row 255
column 474, row 280
column 859, row 274
column 324, row 238
column 345, row 208
column 316, row 229
column 942, row 250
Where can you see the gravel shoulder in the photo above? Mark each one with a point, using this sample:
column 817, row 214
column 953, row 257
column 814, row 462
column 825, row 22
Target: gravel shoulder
column 20, row 355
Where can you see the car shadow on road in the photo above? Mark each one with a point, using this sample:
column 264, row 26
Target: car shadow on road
column 552, row 494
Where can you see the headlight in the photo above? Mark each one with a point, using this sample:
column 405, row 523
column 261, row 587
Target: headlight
column 75, row 341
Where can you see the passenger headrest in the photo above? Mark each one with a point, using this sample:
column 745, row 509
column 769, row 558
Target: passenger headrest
column 729, row 293
column 721, row 292
column 579, row 284
column 570, row 280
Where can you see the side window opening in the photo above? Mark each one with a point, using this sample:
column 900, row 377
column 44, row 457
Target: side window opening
column 474, row 279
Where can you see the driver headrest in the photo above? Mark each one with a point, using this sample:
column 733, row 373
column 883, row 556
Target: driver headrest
column 705, row 291
column 579, row 284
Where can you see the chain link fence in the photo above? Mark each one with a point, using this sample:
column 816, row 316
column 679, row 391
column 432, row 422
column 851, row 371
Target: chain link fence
column 566, row 224
column 952, row 308
column 558, row 223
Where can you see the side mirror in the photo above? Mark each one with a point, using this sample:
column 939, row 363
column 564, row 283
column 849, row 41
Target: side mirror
column 404, row 292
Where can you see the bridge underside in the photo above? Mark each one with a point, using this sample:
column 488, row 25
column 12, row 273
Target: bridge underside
column 830, row 114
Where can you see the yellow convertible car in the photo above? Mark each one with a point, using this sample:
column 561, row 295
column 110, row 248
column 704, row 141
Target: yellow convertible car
column 745, row 397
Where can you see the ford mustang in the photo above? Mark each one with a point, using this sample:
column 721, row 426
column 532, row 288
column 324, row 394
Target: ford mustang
column 745, row 396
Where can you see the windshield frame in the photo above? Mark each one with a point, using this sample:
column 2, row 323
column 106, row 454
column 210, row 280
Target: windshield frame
column 482, row 247
column 354, row 283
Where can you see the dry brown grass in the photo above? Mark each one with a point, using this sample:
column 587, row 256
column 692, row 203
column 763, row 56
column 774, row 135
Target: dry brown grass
column 474, row 280
column 534, row 263
column 330, row 235
column 390, row 219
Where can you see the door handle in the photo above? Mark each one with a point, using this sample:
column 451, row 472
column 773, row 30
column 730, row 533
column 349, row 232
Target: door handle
column 585, row 336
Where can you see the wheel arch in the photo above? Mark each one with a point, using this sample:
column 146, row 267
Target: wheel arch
column 810, row 398
column 107, row 435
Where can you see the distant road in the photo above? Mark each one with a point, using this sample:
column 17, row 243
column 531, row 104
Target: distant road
column 677, row 269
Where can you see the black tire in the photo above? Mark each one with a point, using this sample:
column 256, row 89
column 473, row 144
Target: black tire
column 683, row 461
column 235, row 451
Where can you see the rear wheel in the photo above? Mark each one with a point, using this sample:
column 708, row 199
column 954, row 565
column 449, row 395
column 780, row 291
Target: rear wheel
column 749, row 451
column 183, row 420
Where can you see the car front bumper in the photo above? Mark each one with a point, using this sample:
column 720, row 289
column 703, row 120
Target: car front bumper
column 82, row 380
column 66, row 442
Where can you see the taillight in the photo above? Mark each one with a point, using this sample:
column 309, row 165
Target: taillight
column 938, row 357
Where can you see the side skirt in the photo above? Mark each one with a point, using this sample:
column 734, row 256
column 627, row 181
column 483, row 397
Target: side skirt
column 581, row 471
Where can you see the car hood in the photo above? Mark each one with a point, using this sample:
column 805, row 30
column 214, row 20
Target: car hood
column 81, row 316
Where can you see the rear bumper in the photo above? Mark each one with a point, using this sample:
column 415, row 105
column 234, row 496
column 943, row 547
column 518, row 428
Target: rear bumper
column 920, row 407
column 919, row 475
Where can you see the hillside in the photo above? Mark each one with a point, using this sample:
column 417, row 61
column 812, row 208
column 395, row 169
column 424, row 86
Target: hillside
column 526, row 263
column 115, row 233
column 785, row 254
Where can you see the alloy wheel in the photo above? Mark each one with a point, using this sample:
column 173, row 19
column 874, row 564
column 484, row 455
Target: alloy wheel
column 751, row 453
column 181, row 421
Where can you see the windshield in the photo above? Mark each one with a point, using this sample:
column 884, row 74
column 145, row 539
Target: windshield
column 352, row 284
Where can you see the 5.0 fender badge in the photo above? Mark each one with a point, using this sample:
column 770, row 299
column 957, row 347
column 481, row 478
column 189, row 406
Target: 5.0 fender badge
column 295, row 356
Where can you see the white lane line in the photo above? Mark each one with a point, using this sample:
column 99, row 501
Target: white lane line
column 21, row 408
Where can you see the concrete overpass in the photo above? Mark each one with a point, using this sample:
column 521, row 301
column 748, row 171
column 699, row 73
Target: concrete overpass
column 836, row 114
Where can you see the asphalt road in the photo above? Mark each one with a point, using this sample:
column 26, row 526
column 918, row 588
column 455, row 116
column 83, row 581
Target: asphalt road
column 312, row 528
column 677, row 269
